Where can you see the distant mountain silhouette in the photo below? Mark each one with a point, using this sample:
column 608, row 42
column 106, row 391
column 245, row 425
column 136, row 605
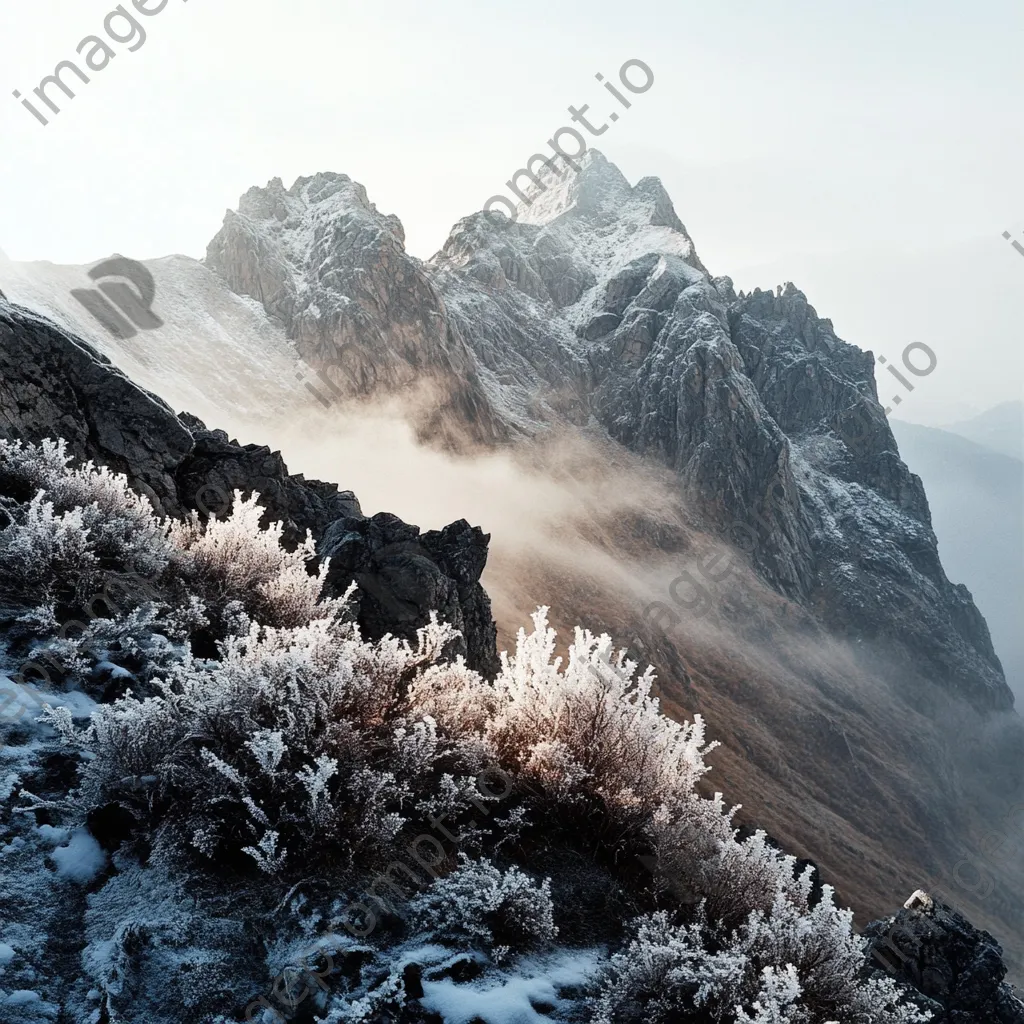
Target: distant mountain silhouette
column 976, row 496
column 1000, row 428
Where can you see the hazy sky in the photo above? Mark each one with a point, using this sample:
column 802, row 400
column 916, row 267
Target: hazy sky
column 870, row 152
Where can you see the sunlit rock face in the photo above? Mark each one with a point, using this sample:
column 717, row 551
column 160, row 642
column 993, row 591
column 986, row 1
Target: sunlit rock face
column 334, row 271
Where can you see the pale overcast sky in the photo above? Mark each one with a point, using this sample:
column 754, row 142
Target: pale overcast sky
column 870, row 152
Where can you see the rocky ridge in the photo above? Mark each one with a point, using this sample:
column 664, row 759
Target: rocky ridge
column 54, row 385
column 593, row 307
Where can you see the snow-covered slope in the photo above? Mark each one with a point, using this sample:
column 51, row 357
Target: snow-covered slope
column 217, row 354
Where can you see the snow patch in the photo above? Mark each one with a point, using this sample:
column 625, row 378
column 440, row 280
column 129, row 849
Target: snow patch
column 53, row 836
column 527, row 997
column 22, row 996
column 81, row 860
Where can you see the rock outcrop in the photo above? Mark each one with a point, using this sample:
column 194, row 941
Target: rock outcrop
column 957, row 969
column 334, row 271
column 54, row 385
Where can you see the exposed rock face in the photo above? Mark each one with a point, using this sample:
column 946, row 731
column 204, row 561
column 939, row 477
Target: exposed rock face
column 767, row 417
column 323, row 261
column 957, row 968
column 403, row 575
column 53, row 385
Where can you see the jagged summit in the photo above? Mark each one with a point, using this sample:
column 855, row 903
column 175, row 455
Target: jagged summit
column 598, row 187
column 334, row 271
column 597, row 210
column 599, row 190
column 293, row 213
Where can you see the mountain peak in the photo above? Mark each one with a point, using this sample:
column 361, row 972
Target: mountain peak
column 597, row 197
column 313, row 200
column 593, row 186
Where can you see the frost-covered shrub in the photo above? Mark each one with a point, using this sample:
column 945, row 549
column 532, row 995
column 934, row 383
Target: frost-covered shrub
column 455, row 697
column 131, row 648
column 786, row 966
column 46, row 556
column 80, row 550
column 665, row 970
column 224, row 561
column 81, row 530
column 591, row 730
column 297, row 744
column 480, row 904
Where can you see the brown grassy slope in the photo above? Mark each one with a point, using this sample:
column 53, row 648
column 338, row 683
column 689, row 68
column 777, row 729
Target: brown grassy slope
column 829, row 748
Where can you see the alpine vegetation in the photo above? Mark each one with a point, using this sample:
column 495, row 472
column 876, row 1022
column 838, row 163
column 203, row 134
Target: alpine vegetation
column 229, row 772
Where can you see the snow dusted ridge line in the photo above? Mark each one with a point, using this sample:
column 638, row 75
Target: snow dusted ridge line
column 100, row 51
column 282, row 987
column 134, row 312
column 11, row 706
column 579, row 117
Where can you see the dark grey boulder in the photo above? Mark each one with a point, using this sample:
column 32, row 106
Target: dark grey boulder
column 938, row 953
